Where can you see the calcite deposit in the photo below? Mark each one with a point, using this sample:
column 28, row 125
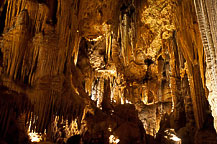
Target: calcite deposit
column 108, row 71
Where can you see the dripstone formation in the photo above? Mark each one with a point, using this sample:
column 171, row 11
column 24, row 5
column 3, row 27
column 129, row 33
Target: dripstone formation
column 108, row 71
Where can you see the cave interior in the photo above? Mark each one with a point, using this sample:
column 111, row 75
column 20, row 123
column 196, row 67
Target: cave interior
column 108, row 71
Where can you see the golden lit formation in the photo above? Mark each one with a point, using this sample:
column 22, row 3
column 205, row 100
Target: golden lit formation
column 108, row 71
column 113, row 139
column 35, row 137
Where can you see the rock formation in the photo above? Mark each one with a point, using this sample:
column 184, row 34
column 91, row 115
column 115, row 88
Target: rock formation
column 207, row 22
column 108, row 71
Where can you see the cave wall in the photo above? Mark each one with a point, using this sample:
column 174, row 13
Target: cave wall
column 39, row 51
column 189, row 41
column 37, row 43
column 206, row 14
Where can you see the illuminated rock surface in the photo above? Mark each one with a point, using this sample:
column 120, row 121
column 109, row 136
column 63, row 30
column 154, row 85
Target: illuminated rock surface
column 108, row 71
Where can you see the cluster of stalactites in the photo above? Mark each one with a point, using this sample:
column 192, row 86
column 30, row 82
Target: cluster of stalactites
column 126, row 32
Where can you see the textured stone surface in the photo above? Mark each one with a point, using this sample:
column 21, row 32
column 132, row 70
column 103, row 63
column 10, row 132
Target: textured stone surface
column 206, row 13
column 189, row 41
column 110, row 64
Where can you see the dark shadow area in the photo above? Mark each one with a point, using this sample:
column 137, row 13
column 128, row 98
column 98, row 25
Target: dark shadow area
column 2, row 18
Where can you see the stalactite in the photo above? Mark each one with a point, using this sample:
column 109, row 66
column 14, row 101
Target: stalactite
column 109, row 48
column 132, row 38
column 76, row 48
column 108, row 44
column 175, row 80
column 187, row 100
column 124, row 39
column 8, row 114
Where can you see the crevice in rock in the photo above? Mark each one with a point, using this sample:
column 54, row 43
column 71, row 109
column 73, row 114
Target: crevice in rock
column 3, row 17
column 54, row 17
column 52, row 5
